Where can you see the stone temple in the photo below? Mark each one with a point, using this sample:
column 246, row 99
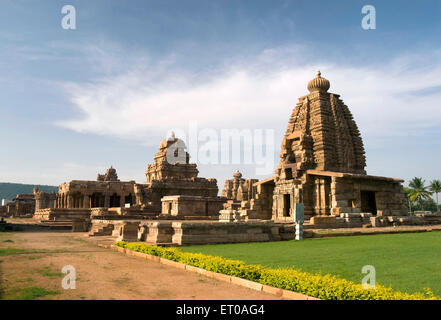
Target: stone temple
column 170, row 181
column 322, row 166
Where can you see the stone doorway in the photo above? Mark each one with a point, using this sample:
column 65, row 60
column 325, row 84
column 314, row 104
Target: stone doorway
column 286, row 205
column 368, row 202
column 128, row 199
column 115, row 201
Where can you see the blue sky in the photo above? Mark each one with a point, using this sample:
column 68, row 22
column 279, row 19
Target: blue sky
column 74, row 102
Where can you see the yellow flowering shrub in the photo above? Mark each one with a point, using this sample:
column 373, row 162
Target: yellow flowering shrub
column 324, row 287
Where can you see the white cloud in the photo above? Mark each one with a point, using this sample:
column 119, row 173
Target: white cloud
column 145, row 102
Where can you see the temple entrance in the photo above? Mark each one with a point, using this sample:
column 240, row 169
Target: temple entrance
column 97, row 200
column 115, row 201
column 128, row 199
column 286, row 204
column 368, row 202
column 77, row 200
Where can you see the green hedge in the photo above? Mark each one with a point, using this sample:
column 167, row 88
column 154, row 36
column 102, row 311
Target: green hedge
column 324, row 287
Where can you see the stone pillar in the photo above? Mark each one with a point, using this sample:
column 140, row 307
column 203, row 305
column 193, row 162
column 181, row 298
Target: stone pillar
column 69, row 201
column 86, row 202
column 106, row 200
column 122, row 200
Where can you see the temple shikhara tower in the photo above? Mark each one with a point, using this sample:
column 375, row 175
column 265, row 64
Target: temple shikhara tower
column 322, row 166
column 322, row 163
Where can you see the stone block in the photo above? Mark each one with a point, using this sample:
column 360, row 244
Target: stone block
column 153, row 258
column 215, row 275
column 350, row 215
column 80, row 225
column 193, row 269
column 294, row 295
column 129, row 232
column 140, row 255
column 246, row 283
column 340, row 203
column 119, row 249
column 172, row 263
column 272, row 290
column 323, row 220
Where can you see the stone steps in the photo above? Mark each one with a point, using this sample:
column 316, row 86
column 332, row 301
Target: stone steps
column 101, row 231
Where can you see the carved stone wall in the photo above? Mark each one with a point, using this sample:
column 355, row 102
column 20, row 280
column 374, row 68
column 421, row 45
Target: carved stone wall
column 44, row 200
column 238, row 188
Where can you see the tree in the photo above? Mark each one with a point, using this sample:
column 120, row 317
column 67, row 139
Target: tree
column 425, row 205
column 435, row 187
column 407, row 192
column 418, row 192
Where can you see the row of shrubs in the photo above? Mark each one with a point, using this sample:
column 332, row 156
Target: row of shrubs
column 324, row 287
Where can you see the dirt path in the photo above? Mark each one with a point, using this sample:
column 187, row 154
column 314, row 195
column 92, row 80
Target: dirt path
column 101, row 273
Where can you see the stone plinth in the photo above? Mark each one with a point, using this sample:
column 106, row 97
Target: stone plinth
column 80, row 225
column 227, row 215
column 61, row 214
column 191, row 206
column 159, row 232
column 188, row 233
column 129, row 232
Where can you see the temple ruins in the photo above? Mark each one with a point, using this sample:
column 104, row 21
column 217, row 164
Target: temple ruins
column 321, row 169
column 171, row 182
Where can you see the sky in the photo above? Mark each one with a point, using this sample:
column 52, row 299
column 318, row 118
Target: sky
column 74, row 102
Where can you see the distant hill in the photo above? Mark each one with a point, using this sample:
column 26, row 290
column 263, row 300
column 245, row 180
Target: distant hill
column 8, row 190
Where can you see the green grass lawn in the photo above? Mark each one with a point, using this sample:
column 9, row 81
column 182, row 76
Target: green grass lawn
column 408, row 262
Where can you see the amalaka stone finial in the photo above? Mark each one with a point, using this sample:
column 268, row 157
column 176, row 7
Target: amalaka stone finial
column 318, row 83
column 172, row 136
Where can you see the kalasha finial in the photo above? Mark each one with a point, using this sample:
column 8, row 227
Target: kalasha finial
column 318, row 83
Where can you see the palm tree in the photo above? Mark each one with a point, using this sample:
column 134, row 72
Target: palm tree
column 435, row 187
column 418, row 191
